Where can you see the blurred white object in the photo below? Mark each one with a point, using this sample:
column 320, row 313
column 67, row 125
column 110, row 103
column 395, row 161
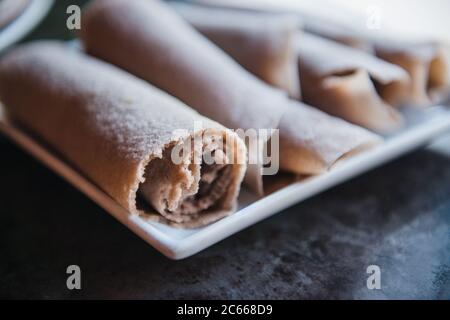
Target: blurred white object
column 411, row 18
column 407, row 18
column 24, row 23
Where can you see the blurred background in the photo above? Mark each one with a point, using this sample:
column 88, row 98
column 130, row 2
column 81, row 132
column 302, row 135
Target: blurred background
column 411, row 18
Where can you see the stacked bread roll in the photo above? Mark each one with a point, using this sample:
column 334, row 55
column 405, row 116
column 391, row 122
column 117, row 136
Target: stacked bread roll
column 126, row 112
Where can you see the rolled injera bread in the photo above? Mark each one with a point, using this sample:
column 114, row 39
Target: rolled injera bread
column 263, row 43
column 134, row 141
column 183, row 63
column 157, row 45
column 10, row 10
column 350, row 83
column 309, row 138
column 427, row 62
column 333, row 27
column 316, row 17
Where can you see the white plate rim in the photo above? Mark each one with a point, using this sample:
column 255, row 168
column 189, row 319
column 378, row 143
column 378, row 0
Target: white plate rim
column 25, row 23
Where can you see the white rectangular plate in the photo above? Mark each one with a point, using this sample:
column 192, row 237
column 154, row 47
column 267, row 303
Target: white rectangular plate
column 177, row 244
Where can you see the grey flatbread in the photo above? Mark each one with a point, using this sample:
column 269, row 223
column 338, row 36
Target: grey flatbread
column 161, row 48
column 262, row 43
column 351, row 84
column 122, row 134
column 312, row 142
column 426, row 61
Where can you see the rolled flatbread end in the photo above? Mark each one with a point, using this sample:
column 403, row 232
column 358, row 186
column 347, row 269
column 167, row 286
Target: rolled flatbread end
column 120, row 132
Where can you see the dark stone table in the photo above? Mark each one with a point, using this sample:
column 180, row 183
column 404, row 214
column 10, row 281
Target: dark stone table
column 396, row 217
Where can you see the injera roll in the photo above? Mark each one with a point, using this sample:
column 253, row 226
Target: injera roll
column 350, row 83
column 119, row 132
column 263, row 43
column 158, row 46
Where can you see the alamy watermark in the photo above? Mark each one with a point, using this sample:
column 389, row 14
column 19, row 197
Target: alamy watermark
column 374, row 16
column 74, row 279
column 262, row 146
column 73, row 21
column 374, row 280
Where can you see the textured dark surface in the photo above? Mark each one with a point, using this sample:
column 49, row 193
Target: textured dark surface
column 397, row 217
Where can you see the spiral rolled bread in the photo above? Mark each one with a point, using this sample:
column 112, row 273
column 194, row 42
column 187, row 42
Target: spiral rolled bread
column 137, row 143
